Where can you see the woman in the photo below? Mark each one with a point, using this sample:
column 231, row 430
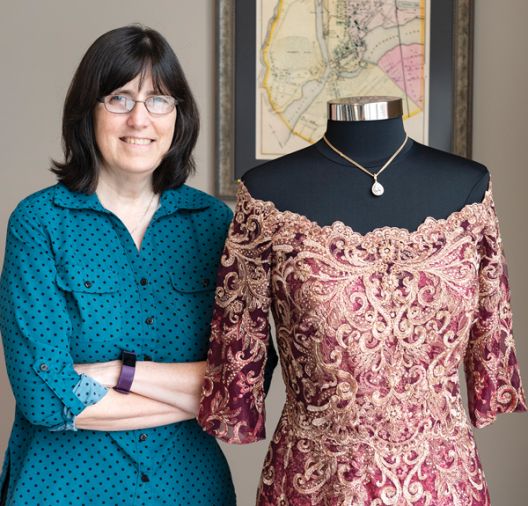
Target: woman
column 116, row 260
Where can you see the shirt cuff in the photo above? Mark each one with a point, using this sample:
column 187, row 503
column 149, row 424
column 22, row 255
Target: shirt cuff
column 89, row 392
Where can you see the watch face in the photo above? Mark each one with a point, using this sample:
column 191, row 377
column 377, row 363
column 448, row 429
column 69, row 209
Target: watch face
column 129, row 359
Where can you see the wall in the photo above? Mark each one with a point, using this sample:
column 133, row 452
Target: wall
column 41, row 44
column 501, row 73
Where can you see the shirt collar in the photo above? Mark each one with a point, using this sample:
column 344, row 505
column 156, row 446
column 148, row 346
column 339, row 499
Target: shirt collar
column 171, row 201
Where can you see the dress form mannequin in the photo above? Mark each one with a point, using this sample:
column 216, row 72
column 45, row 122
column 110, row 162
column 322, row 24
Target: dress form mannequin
column 321, row 185
column 371, row 329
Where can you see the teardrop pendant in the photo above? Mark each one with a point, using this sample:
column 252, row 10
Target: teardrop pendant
column 377, row 189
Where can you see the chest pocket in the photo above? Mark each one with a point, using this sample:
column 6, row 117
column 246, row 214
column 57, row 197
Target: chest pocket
column 93, row 299
column 203, row 281
column 194, row 289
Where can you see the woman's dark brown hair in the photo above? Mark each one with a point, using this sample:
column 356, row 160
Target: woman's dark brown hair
column 114, row 59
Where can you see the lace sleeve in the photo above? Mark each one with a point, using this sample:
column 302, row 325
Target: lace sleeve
column 232, row 402
column 492, row 372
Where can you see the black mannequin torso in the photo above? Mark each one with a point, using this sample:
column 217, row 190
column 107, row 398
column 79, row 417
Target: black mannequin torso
column 318, row 183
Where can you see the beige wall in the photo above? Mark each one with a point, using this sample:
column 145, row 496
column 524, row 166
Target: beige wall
column 41, row 44
column 500, row 139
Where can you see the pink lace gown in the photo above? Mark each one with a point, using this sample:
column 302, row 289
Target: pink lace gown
column 371, row 330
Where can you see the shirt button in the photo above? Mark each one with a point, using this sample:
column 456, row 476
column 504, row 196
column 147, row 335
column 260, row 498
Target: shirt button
column 143, row 281
column 88, row 284
column 144, row 478
column 44, row 367
column 149, row 320
column 143, row 437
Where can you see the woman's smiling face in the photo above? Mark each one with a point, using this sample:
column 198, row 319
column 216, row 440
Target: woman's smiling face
column 134, row 142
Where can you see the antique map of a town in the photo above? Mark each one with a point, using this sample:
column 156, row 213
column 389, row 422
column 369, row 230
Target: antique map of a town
column 310, row 51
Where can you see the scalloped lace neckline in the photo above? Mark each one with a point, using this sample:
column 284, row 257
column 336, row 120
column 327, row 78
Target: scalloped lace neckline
column 337, row 224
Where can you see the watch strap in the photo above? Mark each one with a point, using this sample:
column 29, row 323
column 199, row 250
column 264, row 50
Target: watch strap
column 128, row 370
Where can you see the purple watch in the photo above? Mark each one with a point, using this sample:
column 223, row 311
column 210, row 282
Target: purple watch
column 128, row 370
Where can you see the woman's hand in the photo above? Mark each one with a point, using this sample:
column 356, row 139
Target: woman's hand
column 106, row 373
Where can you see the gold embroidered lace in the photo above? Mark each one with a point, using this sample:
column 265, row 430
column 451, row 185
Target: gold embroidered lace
column 371, row 330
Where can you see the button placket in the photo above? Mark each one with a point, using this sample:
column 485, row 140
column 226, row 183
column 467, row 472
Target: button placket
column 143, row 282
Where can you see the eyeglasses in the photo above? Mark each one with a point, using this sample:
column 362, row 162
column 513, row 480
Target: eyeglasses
column 155, row 104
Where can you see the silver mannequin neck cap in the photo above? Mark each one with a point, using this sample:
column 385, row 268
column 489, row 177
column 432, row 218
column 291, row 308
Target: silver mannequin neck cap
column 364, row 108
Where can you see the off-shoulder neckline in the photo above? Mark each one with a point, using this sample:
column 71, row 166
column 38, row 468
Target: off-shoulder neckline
column 467, row 209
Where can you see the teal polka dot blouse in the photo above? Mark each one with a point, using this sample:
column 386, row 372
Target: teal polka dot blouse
column 75, row 289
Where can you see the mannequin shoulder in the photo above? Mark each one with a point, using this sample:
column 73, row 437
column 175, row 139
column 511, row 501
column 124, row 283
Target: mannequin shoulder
column 469, row 177
column 270, row 179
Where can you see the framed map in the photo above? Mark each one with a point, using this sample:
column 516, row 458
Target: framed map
column 280, row 61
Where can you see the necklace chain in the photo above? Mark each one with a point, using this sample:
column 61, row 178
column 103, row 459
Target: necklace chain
column 143, row 216
column 377, row 188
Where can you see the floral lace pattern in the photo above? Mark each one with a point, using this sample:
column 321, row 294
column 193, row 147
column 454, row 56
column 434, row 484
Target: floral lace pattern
column 371, row 330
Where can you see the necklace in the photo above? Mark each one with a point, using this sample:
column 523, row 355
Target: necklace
column 377, row 188
column 143, row 216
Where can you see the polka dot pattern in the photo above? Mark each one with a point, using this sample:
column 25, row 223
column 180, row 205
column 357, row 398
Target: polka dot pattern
column 74, row 289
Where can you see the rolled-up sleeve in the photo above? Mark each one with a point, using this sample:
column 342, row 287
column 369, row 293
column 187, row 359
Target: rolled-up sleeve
column 36, row 328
